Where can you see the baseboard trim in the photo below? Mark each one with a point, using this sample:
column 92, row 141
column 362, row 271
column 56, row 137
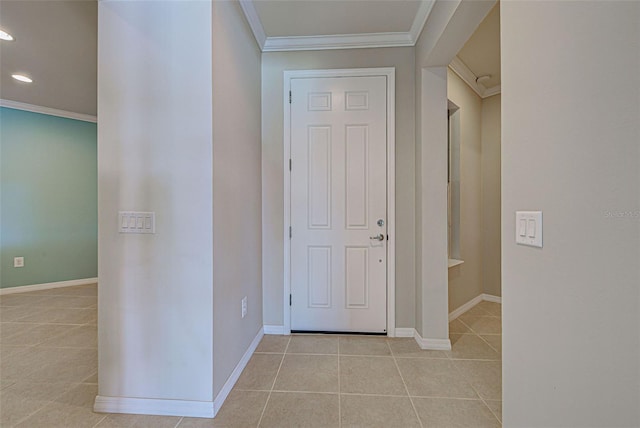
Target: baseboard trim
column 432, row 344
column 492, row 298
column 471, row 303
column 274, row 329
column 235, row 375
column 464, row 308
column 147, row 406
column 47, row 286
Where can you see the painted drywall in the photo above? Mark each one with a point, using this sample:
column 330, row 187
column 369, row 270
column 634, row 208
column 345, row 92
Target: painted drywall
column 273, row 65
column 237, row 219
column 490, row 142
column 48, row 191
column 448, row 27
column 465, row 280
column 571, row 310
column 155, row 314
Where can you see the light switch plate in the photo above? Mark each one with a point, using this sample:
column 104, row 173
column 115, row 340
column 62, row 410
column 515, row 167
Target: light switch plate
column 136, row 222
column 529, row 228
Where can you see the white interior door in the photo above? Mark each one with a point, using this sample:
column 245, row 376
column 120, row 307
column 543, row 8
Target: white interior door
column 339, row 204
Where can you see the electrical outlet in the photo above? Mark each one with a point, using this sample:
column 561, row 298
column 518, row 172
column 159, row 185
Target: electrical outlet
column 18, row 262
column 244, row 306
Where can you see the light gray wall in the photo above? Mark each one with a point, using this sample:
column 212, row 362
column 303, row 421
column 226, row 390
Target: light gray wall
column 448, row 27
column 490, row 199
column 465, row 280
column 571, row 311
column 273, row 65
column 237, row 266
column 154, row 154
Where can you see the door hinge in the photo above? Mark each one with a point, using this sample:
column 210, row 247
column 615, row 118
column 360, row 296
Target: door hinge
column 289, row 299
column 289, row 97
column 290, row 163
column 290, row 232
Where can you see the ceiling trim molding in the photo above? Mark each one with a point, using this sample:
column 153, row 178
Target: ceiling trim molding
column 341, row 41
column 421, row 19
column 461, row 69
column 489, row 92
column 345, row 41
column 48, row 111
column 254, row 21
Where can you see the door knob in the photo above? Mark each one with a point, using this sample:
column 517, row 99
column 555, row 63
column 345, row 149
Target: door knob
column 378, row 237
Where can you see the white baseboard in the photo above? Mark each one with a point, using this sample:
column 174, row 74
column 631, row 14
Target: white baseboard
column 464, row 308
column 146, row 406
column 235, row 375
column 492, row 298
column 274, row 329
column 405, row 332
column 432, row 344
column 47, row 286
column 194, row 409
column 471, row 303
column 424, row 343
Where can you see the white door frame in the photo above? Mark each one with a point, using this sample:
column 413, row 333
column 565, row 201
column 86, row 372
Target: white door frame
column 390, row 73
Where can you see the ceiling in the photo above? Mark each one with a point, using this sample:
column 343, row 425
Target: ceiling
column 56, row 41
column 56, row 45
column 481, row 55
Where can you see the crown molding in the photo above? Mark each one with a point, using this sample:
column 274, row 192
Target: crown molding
column 421, row 19
column 254, row 21
column 341, row 41
column 344, row 41
column 489, row 92
column 47, row 110
column 461, row 69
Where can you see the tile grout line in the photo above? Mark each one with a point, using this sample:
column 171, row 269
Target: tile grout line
column 101, row 420
column 266, row 403
column 471, row 383
column 406, row 388
column 179, row 422
column 339, row 390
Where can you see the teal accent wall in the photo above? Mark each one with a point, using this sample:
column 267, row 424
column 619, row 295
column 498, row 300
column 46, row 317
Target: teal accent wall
column 48, row 198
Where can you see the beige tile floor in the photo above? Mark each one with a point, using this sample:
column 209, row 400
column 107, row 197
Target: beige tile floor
column 48, row 374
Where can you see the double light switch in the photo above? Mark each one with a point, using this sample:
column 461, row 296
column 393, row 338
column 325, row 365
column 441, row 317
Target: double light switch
column 529, row 228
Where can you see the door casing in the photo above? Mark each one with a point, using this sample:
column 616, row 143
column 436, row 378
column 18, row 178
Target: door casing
column 389, row 72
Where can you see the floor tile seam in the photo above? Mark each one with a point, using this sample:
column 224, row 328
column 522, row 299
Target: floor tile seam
column 286, row 348
column 476, row 359
column 308, row 353
column 179, row 422
column 406, row 388
column 490, row 410
column 365, row 356
column 490, row 346
column 373, row 395
column 442, row 397
column 100, row 421
column 288, row 391
column 339, row 388
column 466, row 378
column 41, row 346
column 446, row 357
column 46, row 403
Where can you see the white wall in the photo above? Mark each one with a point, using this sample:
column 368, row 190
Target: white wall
column 273, row 65
column 571, row 310
column 490, row 198
column 465, row 280
column 237, row 220
column 155, row 154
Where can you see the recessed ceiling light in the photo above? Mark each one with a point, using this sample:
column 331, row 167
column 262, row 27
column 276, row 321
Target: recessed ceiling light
column 22, row 78
column 5, row 36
